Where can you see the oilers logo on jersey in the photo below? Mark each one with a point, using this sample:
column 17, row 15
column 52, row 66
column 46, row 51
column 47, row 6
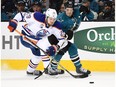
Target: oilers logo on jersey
column 42, row 33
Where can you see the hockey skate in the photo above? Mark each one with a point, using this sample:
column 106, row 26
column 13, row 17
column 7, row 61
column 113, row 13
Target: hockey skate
column 54, row 71
column 36, row 72
column 82, row 71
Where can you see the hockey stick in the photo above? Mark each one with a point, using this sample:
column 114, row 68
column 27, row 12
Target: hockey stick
column 75, row 76
column 34, row 43
column 50, row 61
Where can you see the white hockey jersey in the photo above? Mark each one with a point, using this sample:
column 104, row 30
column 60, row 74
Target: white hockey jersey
column 37, row 27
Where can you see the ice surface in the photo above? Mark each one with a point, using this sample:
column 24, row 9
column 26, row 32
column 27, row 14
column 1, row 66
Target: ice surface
column 20, row 79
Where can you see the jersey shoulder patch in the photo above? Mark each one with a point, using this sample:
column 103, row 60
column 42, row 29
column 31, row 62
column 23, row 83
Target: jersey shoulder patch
column 57, row 25
column 39, row 16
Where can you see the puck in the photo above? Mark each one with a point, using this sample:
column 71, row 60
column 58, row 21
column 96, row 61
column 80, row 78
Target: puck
column 91, row 82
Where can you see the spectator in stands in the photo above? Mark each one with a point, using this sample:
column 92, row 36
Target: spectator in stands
column 62, row 9
column 7, row 8
column 27, row 2
column 44, row 6
column 87, row 15
column 91, row 9
column 101, row 5
column 94, row 6
column 20, row 5
column 36, row 6
column 55, row 4
column 4, row 17
column 107, row 14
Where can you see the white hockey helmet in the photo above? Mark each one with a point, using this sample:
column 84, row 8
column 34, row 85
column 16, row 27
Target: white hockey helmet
column 51, row 13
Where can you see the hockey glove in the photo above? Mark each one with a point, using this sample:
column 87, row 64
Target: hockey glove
column 52, row 50
column 70, row 34
column 12, row 25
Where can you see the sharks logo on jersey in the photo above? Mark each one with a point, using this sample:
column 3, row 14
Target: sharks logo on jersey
column 42, row 33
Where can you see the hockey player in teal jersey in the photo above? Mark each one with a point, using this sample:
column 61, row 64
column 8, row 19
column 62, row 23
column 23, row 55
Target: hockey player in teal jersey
column 70, row 21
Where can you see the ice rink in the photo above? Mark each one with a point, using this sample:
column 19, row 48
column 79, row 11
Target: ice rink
column 20, row 79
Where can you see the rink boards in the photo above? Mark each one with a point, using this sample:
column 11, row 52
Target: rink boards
column 98, row 57
column 101, row 66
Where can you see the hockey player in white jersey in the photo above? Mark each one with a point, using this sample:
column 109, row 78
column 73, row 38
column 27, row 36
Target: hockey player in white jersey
column 41, row 28
column 36, row 6
column 21, row 17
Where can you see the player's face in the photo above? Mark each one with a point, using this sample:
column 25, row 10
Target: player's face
column 51, row 21
column 69, row 12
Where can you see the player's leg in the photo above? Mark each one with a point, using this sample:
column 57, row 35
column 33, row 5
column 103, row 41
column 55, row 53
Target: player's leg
column 53, row 68
column 76, row 60
column 34, row 61
column 31, row 69
column 46, row 61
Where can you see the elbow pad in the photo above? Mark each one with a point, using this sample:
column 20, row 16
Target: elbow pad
column 70, row 34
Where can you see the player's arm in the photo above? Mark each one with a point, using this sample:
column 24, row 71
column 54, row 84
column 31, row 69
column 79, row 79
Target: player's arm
column 57, row 42
column 62, row 38
column 12, row 25
column 14, row 22
column 71, row 31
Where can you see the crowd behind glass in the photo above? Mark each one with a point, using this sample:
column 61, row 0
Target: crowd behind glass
column 103, row 10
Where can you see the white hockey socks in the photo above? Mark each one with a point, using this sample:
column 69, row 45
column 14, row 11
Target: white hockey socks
column 33, row 63
column 46, row 61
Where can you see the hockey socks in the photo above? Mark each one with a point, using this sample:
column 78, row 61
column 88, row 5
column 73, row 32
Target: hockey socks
column 46, row 61
column 33, row 65
column 78, row 65
column 76, row 61
column 53, row 70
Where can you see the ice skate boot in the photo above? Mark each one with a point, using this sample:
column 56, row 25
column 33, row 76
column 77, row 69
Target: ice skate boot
column 54, row 71
column 36, row 72
column 82, row 71
column 59, row 71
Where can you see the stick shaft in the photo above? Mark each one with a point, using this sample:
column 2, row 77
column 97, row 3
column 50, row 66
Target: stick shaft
column 75, row 76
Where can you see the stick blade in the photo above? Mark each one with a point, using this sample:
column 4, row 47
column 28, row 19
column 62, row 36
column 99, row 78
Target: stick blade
column 38, row 76
column 80, row 76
